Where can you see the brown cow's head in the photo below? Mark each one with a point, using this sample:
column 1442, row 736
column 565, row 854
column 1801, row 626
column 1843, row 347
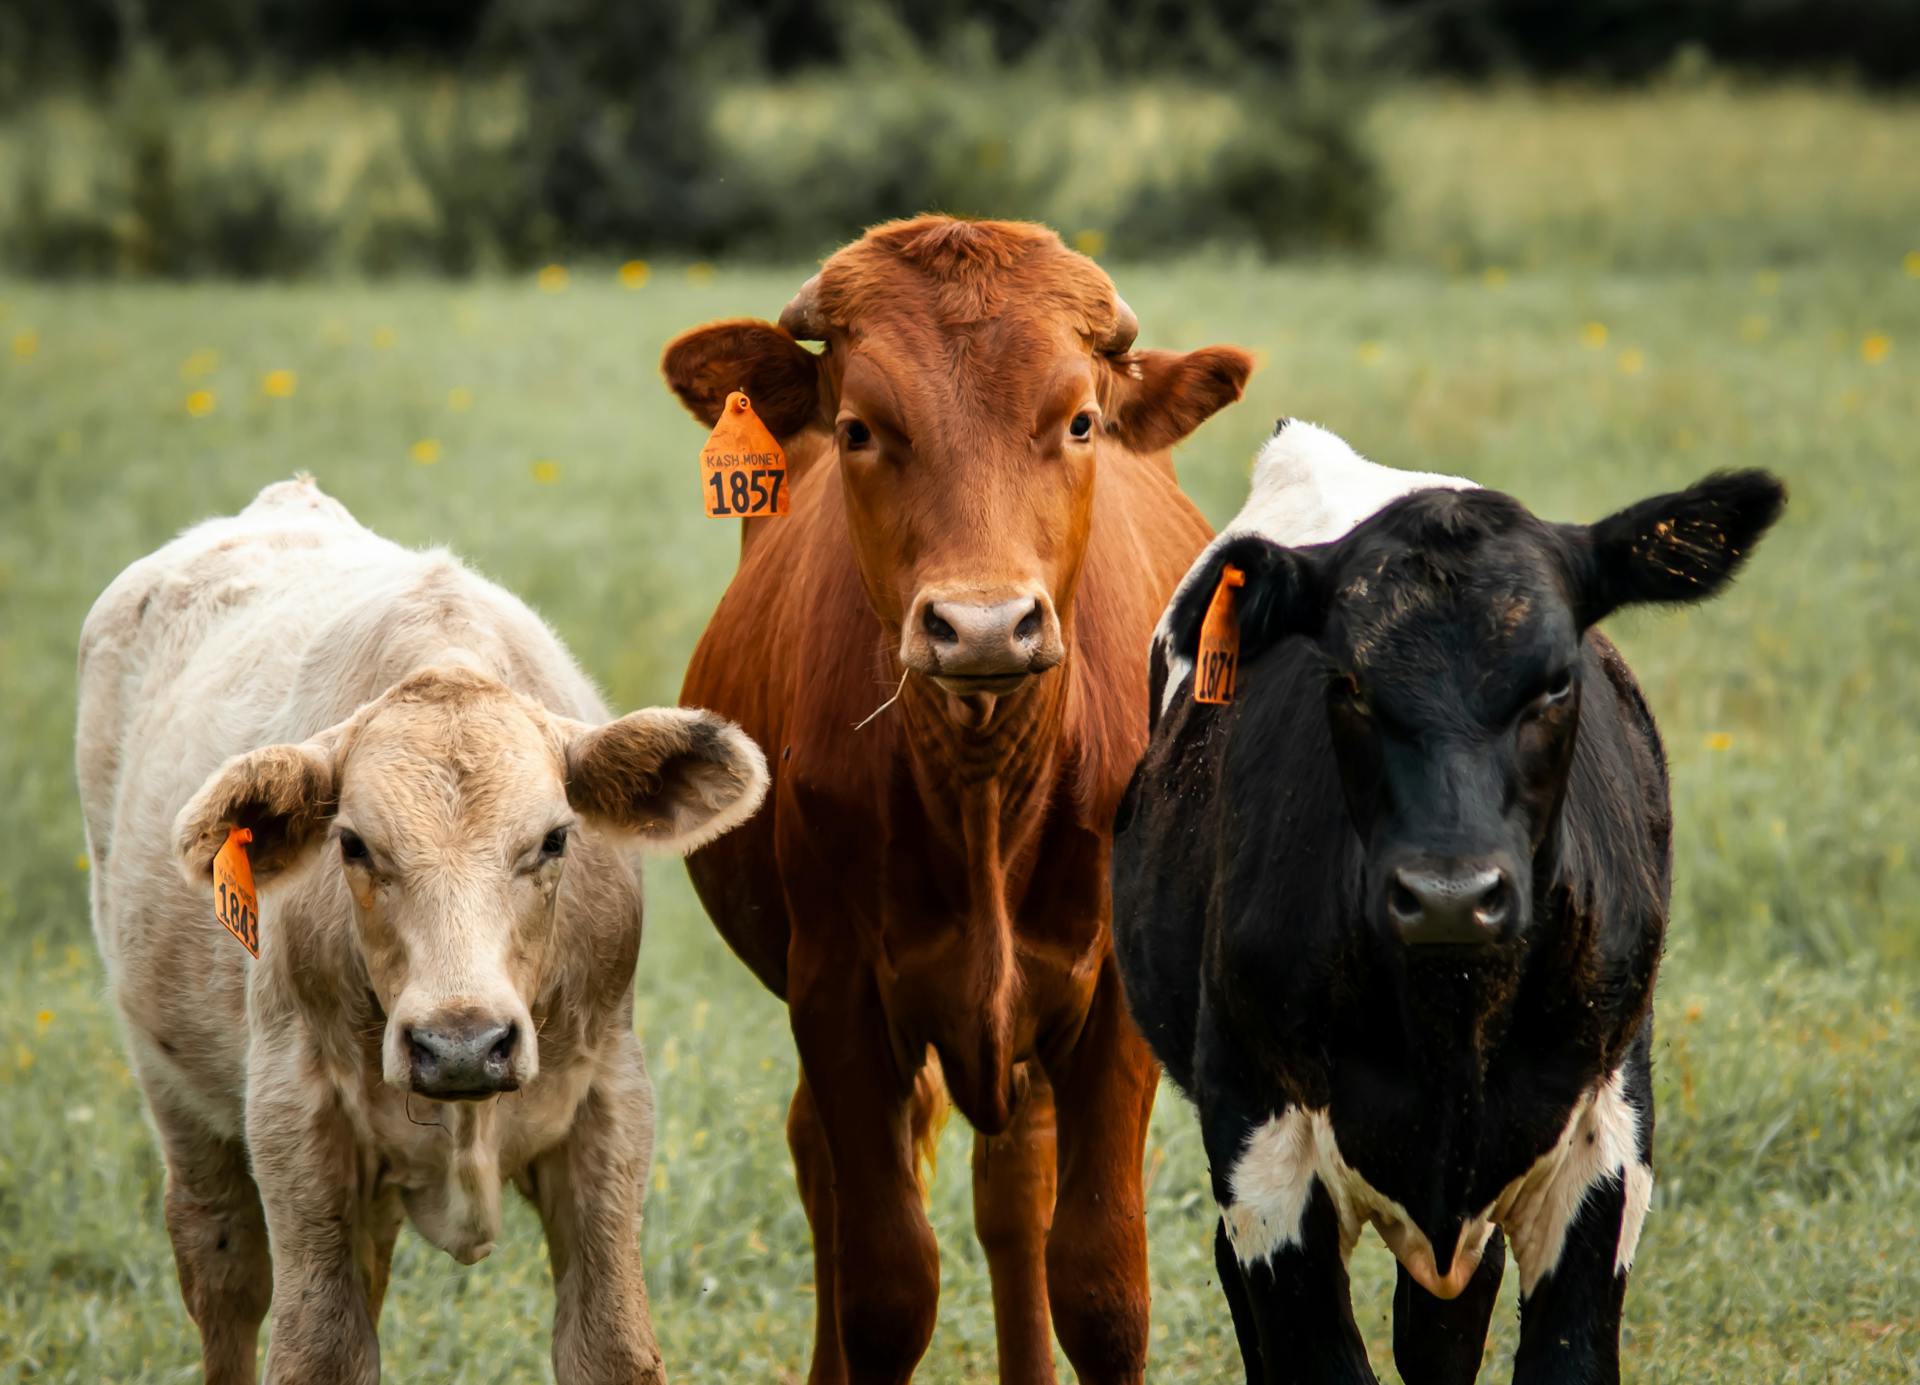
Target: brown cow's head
column 974, row 374
column 454, row 808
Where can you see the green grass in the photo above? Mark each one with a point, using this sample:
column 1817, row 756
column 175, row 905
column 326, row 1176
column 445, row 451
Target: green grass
column 1780, row 1245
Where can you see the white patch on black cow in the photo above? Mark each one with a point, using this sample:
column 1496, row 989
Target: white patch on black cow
column 1285, row 1156
column 1308, row 487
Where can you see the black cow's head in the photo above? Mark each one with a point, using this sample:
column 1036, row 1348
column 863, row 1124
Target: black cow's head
column 1450, row 625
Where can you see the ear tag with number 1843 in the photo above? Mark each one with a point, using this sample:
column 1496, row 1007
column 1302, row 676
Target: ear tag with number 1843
column 742, row 468
column 1217, row 662
column 234, row 902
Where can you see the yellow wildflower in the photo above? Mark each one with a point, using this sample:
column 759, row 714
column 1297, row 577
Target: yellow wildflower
column 1090, row 242
column 1494, row 276
column 634, row 274
column 1719, row 740
column 1369, row 353
column 1754, row 327
column 553, row 279
column 546, row 472
column 426, row 451
column 43, row 1021
column 82, row 863
column 279, row 384
column 383, row 338
column 202, row 362
column 1593, row 336
column 1874, row 347
column 26, row 343
column 22, row 1057
column 459, row 399
column 700, row 272
column 1632, row 361
column 1911, row 263
column 1767, row 281
column 200, row 403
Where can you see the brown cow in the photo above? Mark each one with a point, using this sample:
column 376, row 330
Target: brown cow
column 985, row 519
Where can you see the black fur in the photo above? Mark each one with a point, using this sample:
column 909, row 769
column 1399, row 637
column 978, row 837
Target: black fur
column 1424, row 690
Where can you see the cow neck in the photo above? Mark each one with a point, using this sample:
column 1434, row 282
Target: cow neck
column 988, row 766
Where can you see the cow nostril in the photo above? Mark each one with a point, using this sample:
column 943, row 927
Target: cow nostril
column 1494, row 905
column 416, row 1050
column 1029, row 625
column 1402, row 901
column 502, row 1051
column 936, row 625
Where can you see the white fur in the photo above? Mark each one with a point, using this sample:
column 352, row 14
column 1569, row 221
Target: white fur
column 1308, row 487
column 1274, row 1176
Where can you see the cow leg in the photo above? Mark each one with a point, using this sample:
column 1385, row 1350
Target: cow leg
column 1013, row 1190
column 1441, row 1341
column 380, row 1226
column 1281, row 1230
column 307, row 1167
column 219, row 1235
column 589, row 1189
column 886, row 1272
column 1097, row 1250
column 1245, row 1330
column 813, row 1171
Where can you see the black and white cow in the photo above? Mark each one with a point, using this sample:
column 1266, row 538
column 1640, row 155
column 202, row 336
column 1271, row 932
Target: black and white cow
column 1391, row 918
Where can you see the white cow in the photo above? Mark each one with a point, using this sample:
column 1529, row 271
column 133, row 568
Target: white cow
column 443, row 818
column 1308, row 487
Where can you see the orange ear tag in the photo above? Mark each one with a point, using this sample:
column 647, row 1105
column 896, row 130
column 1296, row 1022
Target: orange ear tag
column 742, row 466
column 234, row 902
column 1217, row 662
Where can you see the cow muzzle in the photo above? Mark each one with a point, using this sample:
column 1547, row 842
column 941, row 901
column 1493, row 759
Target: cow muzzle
column 1458, row 903
column 970, row 646
column 465, row 1057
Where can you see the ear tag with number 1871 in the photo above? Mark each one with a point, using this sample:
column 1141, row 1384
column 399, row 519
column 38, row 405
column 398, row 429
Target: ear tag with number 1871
column 234, row 902
column 742, row 468
column 1217, row 661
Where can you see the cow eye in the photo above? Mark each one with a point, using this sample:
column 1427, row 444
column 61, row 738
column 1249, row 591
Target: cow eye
column 353, row 850
column 1554, row 693
column 554, row 844
column 1082, row 426
column 858, row 434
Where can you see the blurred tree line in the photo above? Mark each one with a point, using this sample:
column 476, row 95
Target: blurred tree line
column 625, row 134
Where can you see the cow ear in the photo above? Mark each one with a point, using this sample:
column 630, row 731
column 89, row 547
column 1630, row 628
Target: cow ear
column 1152, row 399
column 284, row 794
column 676, row 777
column 780, row 376
column 1280, row 597
column 1673, row 548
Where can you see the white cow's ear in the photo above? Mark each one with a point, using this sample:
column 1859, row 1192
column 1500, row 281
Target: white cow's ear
column 283, row 794
column 676, row 777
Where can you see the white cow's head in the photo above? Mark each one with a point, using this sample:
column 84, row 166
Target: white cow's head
column 451, row 806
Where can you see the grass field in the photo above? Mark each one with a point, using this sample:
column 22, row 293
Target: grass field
column 523, row 423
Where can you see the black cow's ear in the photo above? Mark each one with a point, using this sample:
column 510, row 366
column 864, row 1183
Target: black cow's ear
column 1680, row 547
column 1280, row 596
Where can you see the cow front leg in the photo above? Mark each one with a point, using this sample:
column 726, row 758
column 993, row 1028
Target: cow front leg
column 306, row 1165
column 1279, row 1231
column 1013, row 1195
column 1097, row 1250
column 219, row 1235
column 886, row 1265
column 1441, row 1341
column 588, row 1190
column 813, row 1172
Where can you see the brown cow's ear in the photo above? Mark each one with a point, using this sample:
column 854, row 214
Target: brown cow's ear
column 676, row 777
column 1155, row 398
column 781, row 377
column 284, row 794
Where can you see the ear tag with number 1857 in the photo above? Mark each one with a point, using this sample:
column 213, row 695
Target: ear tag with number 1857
column 742, row 468
column 1217, row 662
column 234, row 902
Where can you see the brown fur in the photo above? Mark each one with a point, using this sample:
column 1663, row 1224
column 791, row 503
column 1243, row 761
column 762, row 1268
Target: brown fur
column 935, row 880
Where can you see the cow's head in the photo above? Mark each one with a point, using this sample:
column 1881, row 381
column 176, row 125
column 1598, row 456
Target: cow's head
column 973, row 375
column 451, row 807
column 1450, row 625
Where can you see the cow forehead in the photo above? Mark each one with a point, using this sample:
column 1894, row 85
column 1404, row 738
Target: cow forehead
column 1000, row 371
column 473, row 764
column 946, row 276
